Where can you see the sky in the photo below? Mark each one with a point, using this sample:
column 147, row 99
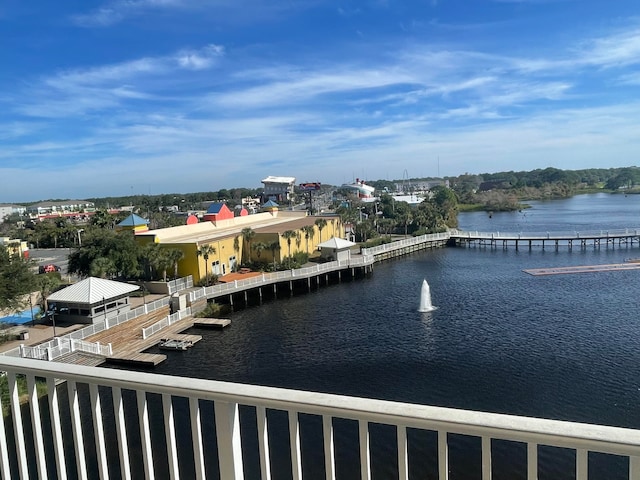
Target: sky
column 121, row 97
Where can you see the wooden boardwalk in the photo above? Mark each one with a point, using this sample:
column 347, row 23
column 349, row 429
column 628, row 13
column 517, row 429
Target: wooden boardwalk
column 127, row 343
column 613, row 267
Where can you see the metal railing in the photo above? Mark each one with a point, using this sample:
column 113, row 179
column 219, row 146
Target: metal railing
column 122, row 410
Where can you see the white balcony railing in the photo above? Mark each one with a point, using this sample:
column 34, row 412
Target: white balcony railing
column 141, row 425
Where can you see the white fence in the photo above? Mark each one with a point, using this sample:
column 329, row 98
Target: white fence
column 179, row 284
column 36, row 352
column 95, row 401
column 281, row 276
column 63, row 346
column 407, row 242
column 165, row 322
column 562, row 235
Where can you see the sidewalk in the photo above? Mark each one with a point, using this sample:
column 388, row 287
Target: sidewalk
column 37, row 334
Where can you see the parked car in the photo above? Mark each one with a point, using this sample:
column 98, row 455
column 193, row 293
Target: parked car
column 48, row 268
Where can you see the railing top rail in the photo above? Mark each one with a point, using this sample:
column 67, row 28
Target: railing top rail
column 518, row 428
column 550, row 234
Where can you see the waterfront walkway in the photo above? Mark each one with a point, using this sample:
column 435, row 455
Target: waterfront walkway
column 596, row 239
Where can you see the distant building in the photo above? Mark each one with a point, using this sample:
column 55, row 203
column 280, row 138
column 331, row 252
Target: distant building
column 216, row 212
column 15, row 246
column 61, row 207
column 7, row 210
column 278, row 189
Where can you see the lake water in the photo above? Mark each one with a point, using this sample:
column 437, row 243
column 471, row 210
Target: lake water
column 558, row 346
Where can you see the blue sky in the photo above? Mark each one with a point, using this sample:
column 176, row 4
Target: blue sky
column 102, row 98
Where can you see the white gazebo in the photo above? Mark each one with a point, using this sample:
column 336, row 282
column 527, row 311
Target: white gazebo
column 90, row 300
column 335, row 249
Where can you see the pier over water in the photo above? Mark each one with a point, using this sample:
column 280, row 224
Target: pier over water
column 595, row 239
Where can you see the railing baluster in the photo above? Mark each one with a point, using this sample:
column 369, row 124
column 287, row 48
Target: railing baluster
column 170, row 432
column 486, row 458
column 36, row 424
column 329, row 450
column 294, row 444
column 443, row 456
column 121, row 430
column 263, row 443
column 56, row 428
column 196, row 437
column 403, row 454
column 582, row 464
column 96, row 407
column 4, row 453
column 532, row 461
column 634, row 468
column 365, row 454
column 17, row 424
column 76, row 426
column 229, row 442
column 145, row 436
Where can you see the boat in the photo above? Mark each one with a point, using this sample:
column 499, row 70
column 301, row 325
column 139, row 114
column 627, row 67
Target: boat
column 361, row 188
column 174, row 344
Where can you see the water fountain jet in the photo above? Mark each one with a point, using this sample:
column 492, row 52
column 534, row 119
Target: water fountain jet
column 425, row 298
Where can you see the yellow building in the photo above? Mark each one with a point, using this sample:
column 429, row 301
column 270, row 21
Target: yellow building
column 225, row 245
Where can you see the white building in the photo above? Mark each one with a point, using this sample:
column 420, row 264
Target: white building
column 278, row 189
column 7, row 210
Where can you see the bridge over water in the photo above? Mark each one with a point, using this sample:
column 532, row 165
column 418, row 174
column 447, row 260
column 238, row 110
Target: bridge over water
column 581, row 239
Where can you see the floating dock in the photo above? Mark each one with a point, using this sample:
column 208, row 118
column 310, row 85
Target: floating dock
column 614, row 267
column 138, row 359
column 211, row 322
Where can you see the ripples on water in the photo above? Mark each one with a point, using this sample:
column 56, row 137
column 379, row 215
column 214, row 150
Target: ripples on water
column 557, row 346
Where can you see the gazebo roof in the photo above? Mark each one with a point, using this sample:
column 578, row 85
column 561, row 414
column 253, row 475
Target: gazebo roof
column 337, row 243
column 133, row 220
column 91, row 290
column 270, row 204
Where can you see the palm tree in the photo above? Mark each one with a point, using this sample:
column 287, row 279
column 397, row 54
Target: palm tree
column 247, row 234
column 175, row 255
column 321, row 223
column 260, row 247
column 274, row 247
column 309, row 231
column 102, row 267
column 150, row 254
column 205, row 251
column 289, row 234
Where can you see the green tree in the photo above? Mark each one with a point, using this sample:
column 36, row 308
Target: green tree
column 274, row 247
column 174, row 256
column 247, row 234
column 320, row 223
column 289, row 235
column 102, row 267
column 16, row 280
column 205, row 251
column 259, row 247
column 121, row 249
column 309, row 232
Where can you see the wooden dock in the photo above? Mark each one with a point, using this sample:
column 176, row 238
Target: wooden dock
column 138, row 359
column 211, row 322
column 614, row 267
